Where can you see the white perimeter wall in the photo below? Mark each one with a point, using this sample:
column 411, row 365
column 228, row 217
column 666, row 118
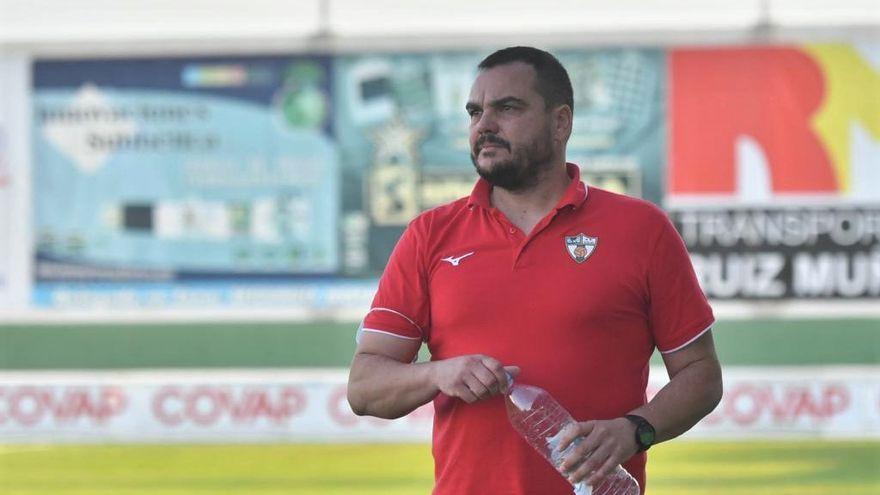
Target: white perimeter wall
column 311, row 406
column 76, row 26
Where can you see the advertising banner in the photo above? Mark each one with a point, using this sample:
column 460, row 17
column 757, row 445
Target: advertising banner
column 183, row 171
column 774, row 169
column 279, row 406
column 270, row 181
column 5, row 208
column 11, row 86
column 204, row 406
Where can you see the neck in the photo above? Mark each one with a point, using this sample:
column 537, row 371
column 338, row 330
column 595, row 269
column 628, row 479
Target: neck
column 527, row 207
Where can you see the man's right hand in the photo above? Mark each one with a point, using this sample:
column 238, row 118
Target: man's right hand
column 385, row 382
column 472, row 378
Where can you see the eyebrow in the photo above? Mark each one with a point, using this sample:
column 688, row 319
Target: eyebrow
column 496, row 103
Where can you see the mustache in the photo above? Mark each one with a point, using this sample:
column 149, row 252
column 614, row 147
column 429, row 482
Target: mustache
column 490, row 138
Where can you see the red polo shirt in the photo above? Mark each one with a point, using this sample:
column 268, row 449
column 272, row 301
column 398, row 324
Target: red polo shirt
column 579, row 304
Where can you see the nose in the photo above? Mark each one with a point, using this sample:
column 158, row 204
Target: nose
column 486, row 123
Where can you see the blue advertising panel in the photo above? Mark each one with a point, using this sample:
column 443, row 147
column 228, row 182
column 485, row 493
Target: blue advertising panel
column 178, row 170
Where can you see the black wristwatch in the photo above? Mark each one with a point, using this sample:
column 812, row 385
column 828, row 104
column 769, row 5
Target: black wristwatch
column 645, row 432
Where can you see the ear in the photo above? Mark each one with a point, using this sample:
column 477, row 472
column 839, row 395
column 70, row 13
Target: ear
column 562, row 123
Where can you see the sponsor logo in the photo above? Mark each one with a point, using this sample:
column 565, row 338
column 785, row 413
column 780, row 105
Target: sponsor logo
column 823, row 140
column 756, row 404
column 208, row 406
column 30, row 405
column 454, row 261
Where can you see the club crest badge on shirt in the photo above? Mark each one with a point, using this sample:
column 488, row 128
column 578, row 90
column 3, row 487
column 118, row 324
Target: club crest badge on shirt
column 580, row 246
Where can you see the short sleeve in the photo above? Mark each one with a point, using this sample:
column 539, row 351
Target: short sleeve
column 678, row 309
column 401, row 304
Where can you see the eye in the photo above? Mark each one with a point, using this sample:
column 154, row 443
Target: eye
column 505, row 108
column 473, row 113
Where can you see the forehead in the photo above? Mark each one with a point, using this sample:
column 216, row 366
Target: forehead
column 514, row 79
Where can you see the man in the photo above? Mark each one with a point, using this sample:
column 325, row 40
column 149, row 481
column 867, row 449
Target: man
column 566, row 287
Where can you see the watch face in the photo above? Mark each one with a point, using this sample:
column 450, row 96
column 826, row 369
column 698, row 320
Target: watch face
column 646, row 435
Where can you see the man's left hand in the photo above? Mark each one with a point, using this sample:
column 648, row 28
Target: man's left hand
column 605, row 444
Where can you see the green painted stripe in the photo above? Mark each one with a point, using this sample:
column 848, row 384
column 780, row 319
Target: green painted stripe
column 176, row 345
column 795, row 342
column 91, row 346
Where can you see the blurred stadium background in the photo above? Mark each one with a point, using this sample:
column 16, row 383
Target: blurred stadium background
column 196, row 198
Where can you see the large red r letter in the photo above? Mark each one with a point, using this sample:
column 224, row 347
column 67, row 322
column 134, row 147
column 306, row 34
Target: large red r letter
column 768, row 94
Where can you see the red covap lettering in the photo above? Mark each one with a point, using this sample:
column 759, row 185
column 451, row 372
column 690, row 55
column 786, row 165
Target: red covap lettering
column 29, row 405
column 747, row 403
column 206, row 405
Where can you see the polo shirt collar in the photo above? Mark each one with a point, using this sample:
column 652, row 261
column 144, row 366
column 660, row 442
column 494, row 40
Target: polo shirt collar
column 577, row 191
column 574, row 195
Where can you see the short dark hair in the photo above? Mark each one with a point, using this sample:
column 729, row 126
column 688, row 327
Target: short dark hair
column 553, row 83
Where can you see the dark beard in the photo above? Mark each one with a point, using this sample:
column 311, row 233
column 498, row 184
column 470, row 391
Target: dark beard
column 522, row 171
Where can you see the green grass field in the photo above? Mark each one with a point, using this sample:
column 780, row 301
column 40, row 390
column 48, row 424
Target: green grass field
column 680, row 468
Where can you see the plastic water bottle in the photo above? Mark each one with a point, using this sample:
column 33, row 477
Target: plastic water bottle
column 540, row 420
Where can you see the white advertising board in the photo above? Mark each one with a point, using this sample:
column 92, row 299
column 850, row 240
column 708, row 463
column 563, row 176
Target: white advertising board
column 310, row 406
column 14, row 217
column 5, row 183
